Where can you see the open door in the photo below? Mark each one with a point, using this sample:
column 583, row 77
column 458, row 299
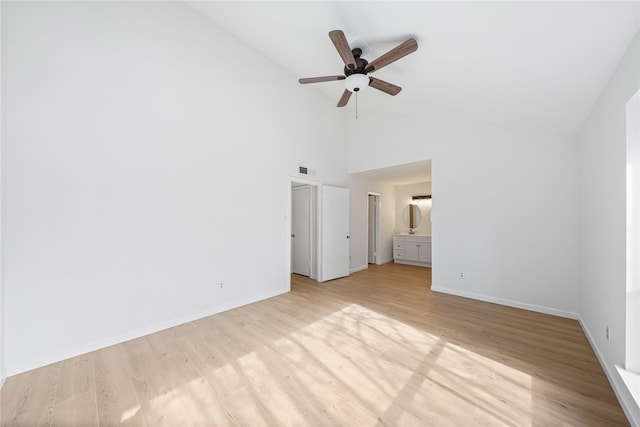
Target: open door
column 335, row 233
column 301, row 230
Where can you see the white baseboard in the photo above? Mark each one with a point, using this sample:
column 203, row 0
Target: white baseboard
column 364, row 267
column 510, row 303
column 417, row 264
column 360, row 268
column 625, row 398
column 28, row 365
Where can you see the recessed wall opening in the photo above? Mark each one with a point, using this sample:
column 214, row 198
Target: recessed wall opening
column 391, row 193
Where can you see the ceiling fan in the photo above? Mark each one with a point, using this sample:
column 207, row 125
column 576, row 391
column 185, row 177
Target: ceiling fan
column 357, row 68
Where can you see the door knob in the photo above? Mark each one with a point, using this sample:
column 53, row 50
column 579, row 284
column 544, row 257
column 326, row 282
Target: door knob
column 293, row 235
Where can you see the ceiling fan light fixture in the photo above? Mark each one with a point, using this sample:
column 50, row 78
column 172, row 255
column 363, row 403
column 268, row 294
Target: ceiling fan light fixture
column 356, row 82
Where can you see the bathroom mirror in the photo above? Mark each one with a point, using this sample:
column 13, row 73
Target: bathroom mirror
column 411, row 216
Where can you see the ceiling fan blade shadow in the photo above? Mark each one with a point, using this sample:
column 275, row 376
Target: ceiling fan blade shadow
column 400, row 51
column 320, row 79
column 344, row 99
column 385, row 87
column 340, row 42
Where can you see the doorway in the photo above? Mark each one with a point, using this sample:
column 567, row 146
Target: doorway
column 304, row 229
column 373, row 227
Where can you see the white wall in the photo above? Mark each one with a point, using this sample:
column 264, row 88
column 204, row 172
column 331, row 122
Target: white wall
column 602, row 146
column 506, row 203
column 403, row 198
column 139, row 175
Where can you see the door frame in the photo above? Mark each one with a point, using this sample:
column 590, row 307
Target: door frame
column 302, row 214
column 318, row 228
column 377, row 229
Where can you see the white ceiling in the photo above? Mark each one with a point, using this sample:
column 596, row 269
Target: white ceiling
column 538, row 64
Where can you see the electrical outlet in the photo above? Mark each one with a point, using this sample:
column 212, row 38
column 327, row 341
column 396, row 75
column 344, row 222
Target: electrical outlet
column 461, row 275
column 607, row 332
column 221, row 285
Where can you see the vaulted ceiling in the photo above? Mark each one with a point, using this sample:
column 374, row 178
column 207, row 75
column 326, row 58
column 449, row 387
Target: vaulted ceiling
column 539, row 65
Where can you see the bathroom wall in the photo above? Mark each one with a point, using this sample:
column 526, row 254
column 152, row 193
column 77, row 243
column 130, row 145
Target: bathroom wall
column 403, row 198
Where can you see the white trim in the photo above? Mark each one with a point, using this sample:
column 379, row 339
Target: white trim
column 416, row 263
column 302, row 180
column 28, row 365
column 360, row 268
column 507, row 302
column 617, row 384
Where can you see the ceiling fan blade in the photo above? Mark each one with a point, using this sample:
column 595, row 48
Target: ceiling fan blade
column 344, row 98
column 386, row 87
column 320, row 79
column 340, row 42
column 400, row 51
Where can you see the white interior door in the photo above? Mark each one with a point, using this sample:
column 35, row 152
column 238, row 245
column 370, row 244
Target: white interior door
column 300, row 230
column 335, row 233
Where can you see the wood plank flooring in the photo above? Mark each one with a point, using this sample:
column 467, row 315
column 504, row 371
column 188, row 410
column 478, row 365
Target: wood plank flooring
column 375, row 349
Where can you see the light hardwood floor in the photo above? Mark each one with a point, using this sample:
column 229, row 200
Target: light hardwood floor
column 375, row 349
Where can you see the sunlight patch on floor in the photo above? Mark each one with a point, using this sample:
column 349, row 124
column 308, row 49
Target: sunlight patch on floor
column 202, row 406
column 165, row 402
column 391, row 366
column 359, row 366
column 129, row 413
column 272, row 394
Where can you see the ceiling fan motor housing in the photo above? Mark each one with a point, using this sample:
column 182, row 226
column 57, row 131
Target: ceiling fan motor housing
column 361, row 63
